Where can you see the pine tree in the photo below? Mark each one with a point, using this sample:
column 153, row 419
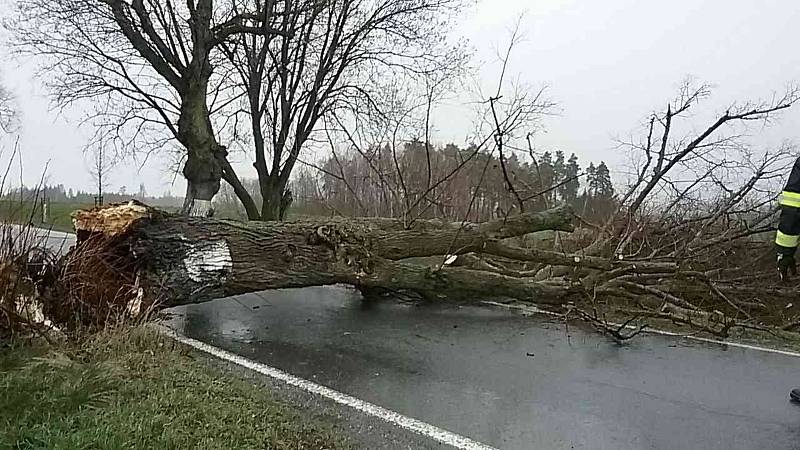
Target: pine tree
column 605, row 188
column 569, row 190
column 558, row 167
column 547, row 173
column 591, row 180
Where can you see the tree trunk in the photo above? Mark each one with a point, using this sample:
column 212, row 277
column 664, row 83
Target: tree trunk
column 271, row 191
column 205, row 157
column 181, row 260
column 202, row 169
column 270, row 208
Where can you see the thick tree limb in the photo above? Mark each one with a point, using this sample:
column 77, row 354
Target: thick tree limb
column 426, row 238
column 564, row 259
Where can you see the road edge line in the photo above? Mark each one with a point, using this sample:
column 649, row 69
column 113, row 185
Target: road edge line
column 535, row 310
column 407, row 423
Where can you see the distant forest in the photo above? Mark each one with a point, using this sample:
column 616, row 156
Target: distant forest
column 61, row 194
column 378, row 183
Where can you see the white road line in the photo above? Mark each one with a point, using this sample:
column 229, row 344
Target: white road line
column 720, row 342
column 405, row 422
column 534, row 310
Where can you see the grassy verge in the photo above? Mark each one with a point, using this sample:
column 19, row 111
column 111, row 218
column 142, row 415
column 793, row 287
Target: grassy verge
column 136, row 389
column 59, row 214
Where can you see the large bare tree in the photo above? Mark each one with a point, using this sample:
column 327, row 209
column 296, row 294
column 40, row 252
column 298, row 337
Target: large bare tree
column 148, row 67
column 163, row 71
column 330, row 63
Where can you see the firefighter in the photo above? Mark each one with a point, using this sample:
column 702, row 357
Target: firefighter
column 788, row 235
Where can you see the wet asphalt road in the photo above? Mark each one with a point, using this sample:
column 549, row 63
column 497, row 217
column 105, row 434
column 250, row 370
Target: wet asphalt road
column 59, row 242
column 56, row 241
column 511, row 381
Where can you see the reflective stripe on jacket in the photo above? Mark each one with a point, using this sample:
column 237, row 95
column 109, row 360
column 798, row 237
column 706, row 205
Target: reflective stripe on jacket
column 788, row 234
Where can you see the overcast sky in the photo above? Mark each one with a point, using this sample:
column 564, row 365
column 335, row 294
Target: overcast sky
column 606, row 63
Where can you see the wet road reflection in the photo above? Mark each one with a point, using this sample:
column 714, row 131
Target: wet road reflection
column 511, row 381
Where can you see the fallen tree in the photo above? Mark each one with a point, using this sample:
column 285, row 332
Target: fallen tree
column 179, row 260
column 131, row 258
column 697, row 254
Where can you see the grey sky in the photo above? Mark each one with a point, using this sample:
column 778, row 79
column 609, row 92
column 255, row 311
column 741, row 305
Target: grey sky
column 607, row 64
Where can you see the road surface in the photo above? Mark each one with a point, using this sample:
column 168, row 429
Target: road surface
column 54, row 240
column 511, row 381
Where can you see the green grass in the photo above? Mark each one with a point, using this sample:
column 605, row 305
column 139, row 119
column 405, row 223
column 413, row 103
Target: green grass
column 59, row 214
column 137, row 389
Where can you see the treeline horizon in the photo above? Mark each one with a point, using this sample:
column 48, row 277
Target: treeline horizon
column 443, row 182
column 59, row 193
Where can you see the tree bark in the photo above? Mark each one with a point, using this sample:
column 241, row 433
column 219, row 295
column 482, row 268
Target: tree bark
column 181, row 260
column 203, row 170
column 205, row 158
column 270, row 206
